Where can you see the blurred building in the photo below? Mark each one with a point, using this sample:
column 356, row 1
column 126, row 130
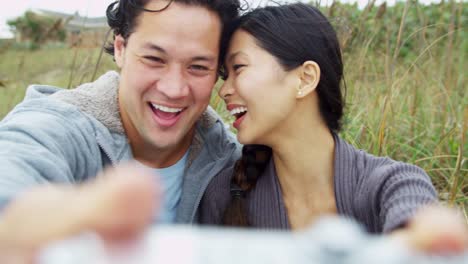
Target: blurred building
column 81, row 31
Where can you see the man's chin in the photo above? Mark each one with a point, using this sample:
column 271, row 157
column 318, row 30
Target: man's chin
column 176, row 140
column 170, row 142
column 161, row 144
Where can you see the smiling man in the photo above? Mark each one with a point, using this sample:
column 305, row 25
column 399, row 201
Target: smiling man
column 168, row 69
column 155, row 111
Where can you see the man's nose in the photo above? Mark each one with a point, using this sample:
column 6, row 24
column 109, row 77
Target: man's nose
column 173, row 83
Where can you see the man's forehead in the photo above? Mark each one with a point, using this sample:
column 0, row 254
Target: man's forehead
column 178, row 16
column 184, row 28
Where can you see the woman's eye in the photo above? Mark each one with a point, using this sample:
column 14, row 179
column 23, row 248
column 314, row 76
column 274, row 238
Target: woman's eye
column 236, row 67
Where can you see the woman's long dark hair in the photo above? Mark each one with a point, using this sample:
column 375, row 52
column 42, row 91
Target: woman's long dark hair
column 293, row 34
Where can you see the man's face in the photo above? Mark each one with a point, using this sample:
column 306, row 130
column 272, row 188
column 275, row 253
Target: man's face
column 168, row 69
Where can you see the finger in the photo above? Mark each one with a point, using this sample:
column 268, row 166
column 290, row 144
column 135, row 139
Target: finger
column 127, row 199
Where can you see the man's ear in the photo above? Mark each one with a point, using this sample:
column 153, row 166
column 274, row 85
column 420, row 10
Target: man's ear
column 310, row 77
column 119, row 50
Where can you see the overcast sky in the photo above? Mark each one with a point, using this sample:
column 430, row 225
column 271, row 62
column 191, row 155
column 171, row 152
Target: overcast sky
column 92, row 8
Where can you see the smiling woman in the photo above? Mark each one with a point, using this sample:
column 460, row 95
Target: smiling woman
column 283, row 71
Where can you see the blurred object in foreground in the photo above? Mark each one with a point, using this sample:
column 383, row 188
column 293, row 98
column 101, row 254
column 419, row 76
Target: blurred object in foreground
column 331, row 240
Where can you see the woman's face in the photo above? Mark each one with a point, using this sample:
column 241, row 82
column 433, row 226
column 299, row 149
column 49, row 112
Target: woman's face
column 258, row 91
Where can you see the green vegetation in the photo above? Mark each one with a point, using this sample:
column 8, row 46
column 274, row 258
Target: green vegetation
column 405, row 73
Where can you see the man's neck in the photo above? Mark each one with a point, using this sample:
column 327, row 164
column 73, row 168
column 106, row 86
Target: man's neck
column 157, row 157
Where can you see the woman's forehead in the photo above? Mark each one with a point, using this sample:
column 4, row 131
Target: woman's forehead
column 242, row 44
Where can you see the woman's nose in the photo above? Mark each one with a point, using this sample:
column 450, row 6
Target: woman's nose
column 226, row 90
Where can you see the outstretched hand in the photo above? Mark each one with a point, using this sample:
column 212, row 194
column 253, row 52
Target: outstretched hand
column 119, row 204
column 436, row 230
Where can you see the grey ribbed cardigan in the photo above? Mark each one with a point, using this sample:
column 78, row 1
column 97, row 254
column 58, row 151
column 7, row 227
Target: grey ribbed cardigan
column 378, row 192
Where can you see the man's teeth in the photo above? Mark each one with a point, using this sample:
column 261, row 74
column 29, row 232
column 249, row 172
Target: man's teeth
column 167, row 109
column 238, row 110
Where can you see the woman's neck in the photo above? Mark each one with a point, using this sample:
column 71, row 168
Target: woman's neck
column 304, row 162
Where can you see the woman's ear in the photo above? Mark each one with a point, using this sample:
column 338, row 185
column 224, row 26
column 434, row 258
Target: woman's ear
column 119, row 50
column 310, row 77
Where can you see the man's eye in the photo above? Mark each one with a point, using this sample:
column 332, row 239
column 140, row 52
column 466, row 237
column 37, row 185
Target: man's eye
column 199, row 68
column 153, row 59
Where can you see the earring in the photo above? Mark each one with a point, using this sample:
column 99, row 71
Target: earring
column 299, row 90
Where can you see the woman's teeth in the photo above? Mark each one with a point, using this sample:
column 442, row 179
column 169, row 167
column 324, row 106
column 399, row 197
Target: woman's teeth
column 167, row 109
column 237, row 111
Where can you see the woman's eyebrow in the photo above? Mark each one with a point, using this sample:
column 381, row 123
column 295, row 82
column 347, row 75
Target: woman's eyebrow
column 233, row 55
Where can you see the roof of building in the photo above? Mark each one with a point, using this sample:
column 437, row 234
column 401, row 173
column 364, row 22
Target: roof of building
column 75, row 20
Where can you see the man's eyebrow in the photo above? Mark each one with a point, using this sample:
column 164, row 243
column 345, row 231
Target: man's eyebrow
column 204, row 58
column 153, row 46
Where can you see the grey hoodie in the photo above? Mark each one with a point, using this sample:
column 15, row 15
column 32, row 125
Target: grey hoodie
column 69, row 136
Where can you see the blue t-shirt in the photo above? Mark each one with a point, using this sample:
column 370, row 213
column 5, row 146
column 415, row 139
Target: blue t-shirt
column 171, row 180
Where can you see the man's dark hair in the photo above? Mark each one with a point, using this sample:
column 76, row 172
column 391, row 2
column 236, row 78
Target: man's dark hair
column 122, row 15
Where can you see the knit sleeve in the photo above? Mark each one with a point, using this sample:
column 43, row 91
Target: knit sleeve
column 215, row 199
column 401, row 190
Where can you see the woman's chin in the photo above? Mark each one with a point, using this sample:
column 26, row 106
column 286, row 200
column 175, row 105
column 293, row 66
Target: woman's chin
column 248, row 139
column 243, row 139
